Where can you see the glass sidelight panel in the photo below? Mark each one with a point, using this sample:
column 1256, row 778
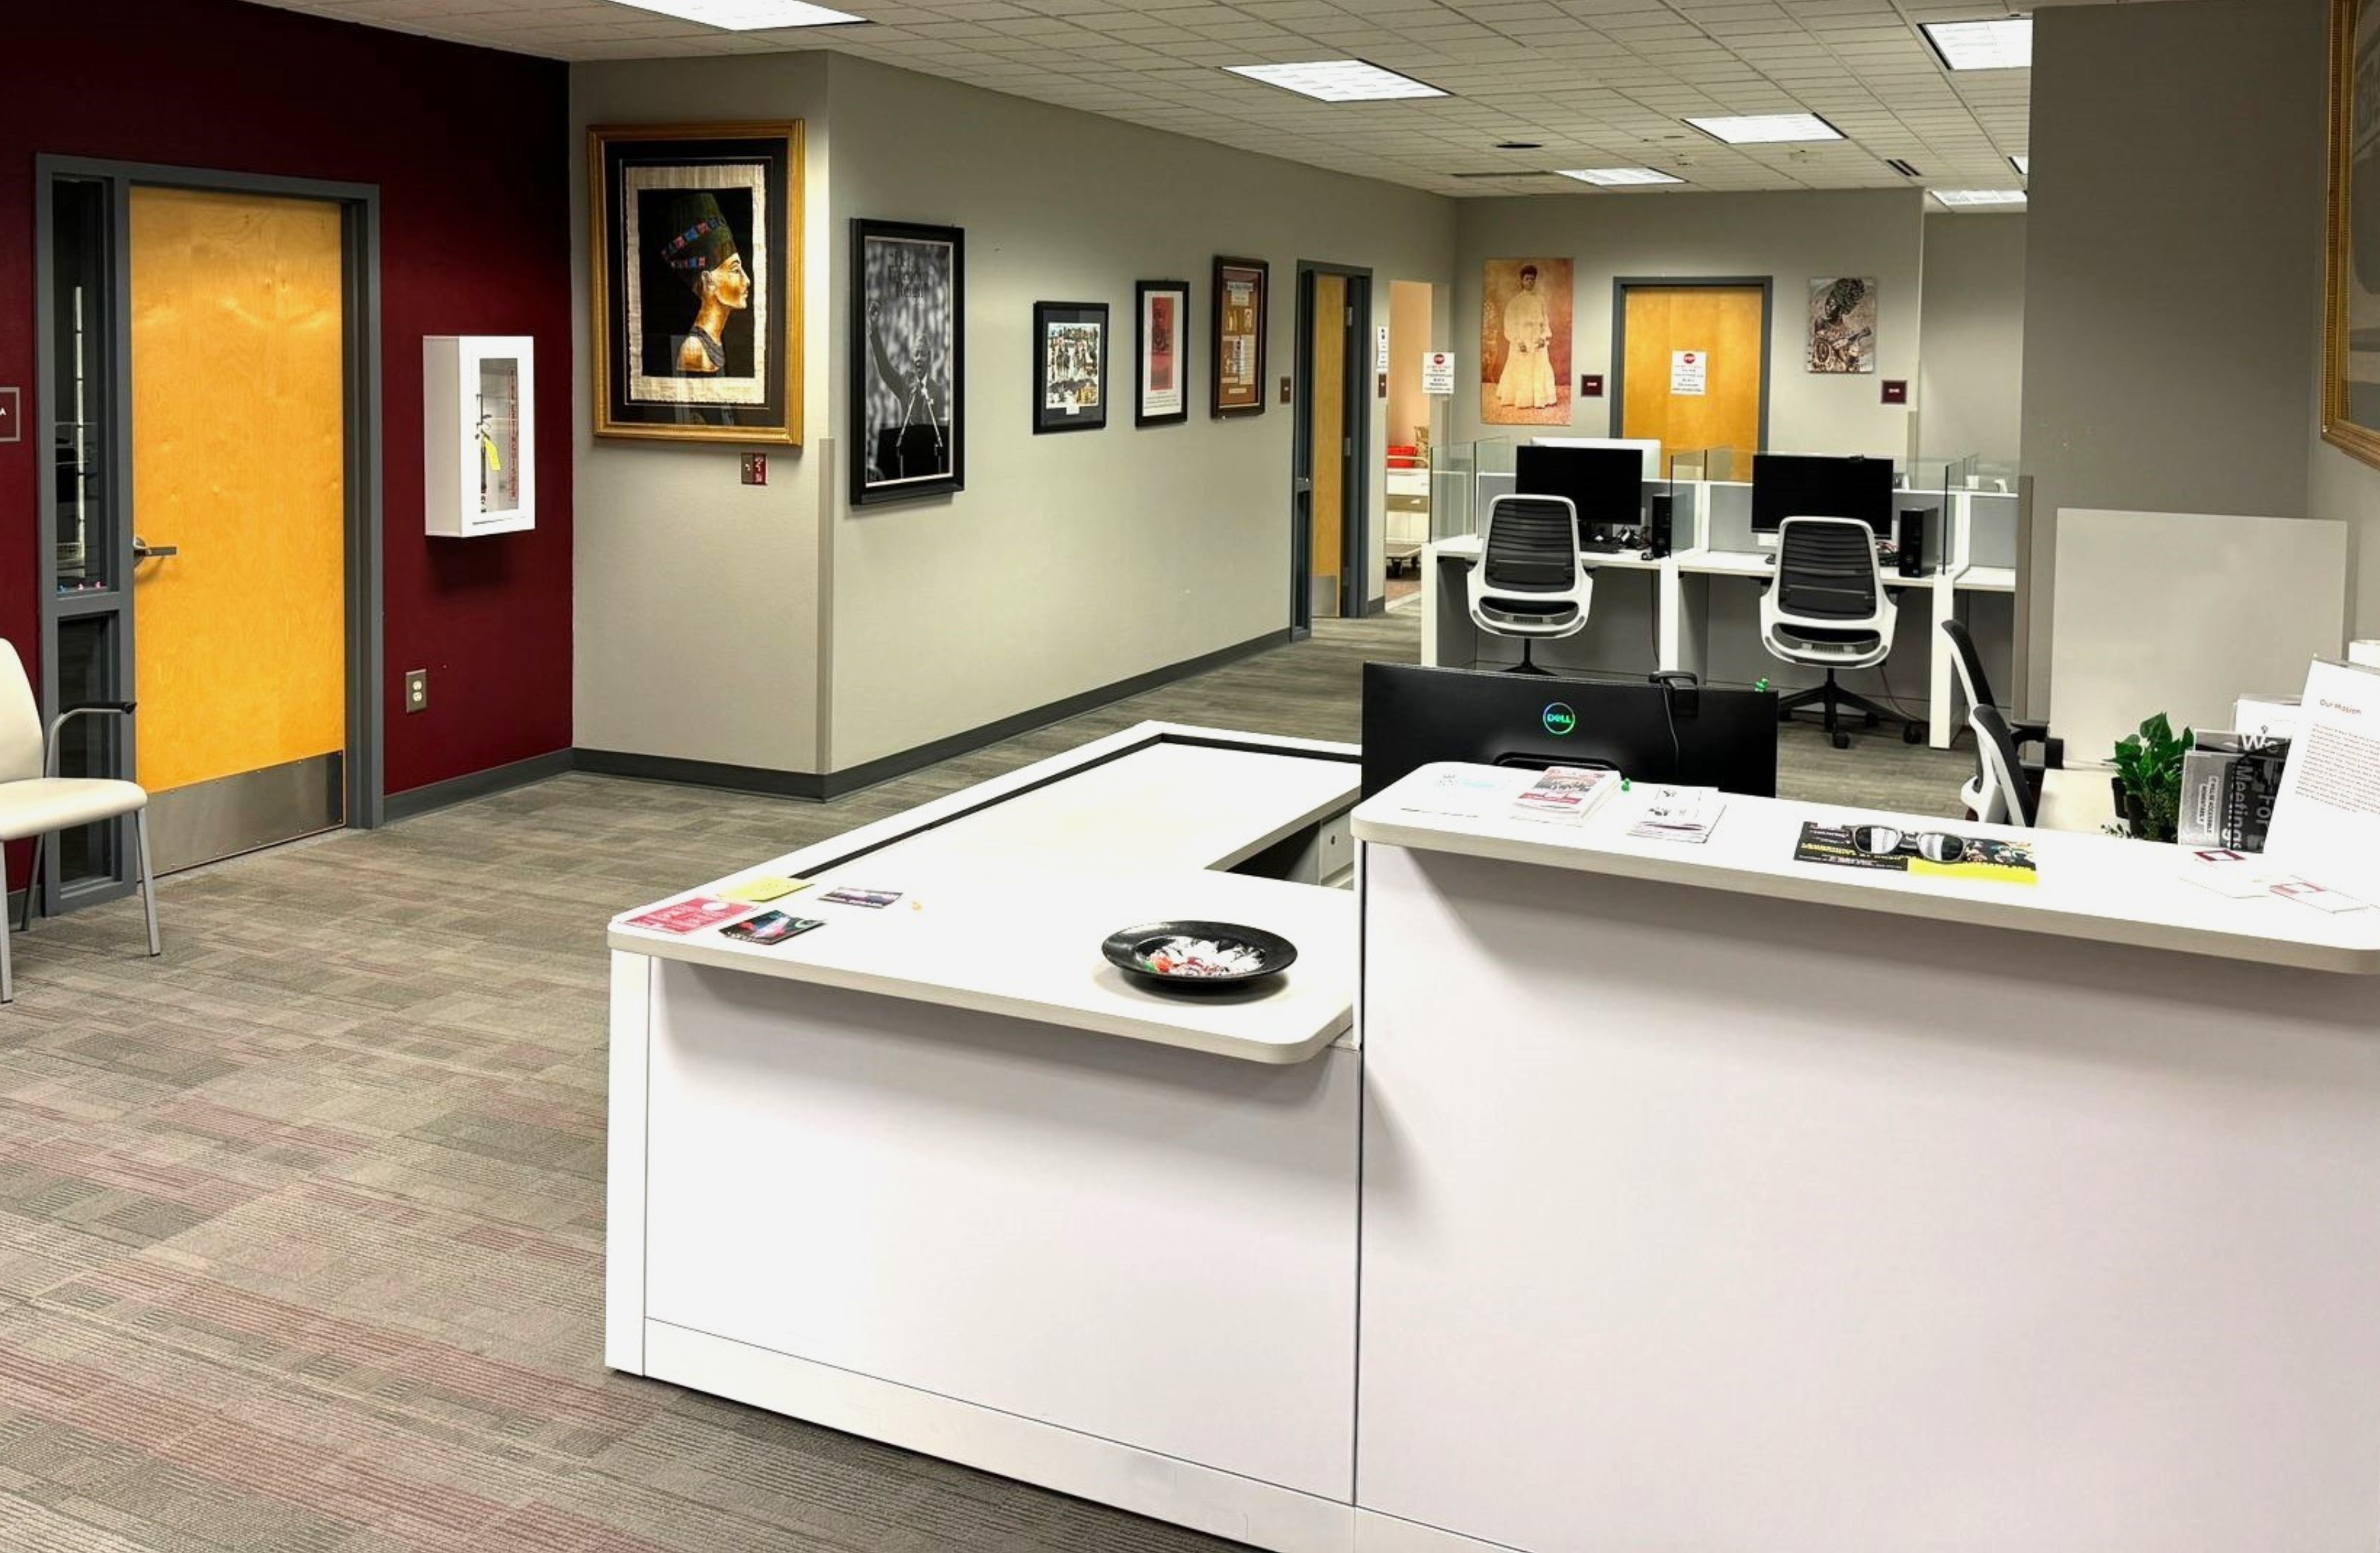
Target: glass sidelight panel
column 83, row 334
column 88, row 746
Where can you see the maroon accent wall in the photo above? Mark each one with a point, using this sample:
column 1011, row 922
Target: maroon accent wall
column 470, row 149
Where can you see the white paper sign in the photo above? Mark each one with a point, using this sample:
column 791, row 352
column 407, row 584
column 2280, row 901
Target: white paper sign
column 1381, row 349
column 1437, row 372
column 1690, row 372
column 2326, row 815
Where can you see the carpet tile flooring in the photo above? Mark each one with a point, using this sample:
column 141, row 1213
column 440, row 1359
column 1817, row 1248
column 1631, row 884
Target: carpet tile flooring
column 301, row 1227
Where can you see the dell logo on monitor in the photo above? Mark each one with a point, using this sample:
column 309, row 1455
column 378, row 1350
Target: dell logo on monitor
column 1558, row 718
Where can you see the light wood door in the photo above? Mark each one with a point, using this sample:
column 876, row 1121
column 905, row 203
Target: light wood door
column 1326, row 521
column 238, row 462
column 1723, row 328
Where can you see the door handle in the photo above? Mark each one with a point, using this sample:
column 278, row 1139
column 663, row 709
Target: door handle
column 143, row 551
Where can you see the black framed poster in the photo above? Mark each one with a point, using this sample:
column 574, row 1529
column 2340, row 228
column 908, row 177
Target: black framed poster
column 1161, row 353
column 1070, row 366
column 908, row 361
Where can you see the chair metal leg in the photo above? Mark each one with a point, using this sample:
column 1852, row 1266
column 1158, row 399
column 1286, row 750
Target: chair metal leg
column 8, row 974
column 148, row 882
column 33, row 882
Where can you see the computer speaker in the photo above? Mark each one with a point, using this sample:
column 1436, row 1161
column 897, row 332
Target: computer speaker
column 1657, row 532
column 1909, row 541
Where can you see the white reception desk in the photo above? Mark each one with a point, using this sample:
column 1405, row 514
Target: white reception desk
column 1673, row 1196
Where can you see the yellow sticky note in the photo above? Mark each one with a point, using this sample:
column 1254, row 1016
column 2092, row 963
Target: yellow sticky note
column 758, row 892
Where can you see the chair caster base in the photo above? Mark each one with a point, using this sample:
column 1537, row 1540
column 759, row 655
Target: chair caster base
column 1842, row 740
column 1912, row 733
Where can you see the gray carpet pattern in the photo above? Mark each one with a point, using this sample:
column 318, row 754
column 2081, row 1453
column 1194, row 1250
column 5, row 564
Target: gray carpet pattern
column 301, row 1226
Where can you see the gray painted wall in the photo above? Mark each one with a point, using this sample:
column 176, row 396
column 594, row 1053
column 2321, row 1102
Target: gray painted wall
column 697, row 598
column 1071, row 562
column 778, row 626
column 2173, row 265
column 1971, row 385
column 1792, row 237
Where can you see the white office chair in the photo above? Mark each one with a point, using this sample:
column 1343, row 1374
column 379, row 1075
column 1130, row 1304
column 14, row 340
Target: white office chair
column 1967, row 666
column 1999, row 793
column 36, row 802
column 1531, row 581
column 1828, row 609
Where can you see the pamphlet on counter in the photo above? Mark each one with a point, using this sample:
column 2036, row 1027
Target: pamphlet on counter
column 1676, row 813
column 1566, row 794
column 1920, row 853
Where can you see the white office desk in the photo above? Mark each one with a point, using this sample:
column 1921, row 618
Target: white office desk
column 1681, row 608
column 1715, row 1200
column 936, row 1173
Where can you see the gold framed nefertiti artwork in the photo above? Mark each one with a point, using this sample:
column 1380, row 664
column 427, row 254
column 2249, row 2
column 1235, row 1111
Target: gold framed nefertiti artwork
column 696, row 281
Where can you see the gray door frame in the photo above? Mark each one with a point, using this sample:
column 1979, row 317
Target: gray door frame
column 1617, row 421
column 366, row 796
column 1354, row 572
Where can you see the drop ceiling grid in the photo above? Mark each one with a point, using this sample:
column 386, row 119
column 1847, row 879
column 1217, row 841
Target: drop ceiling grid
column 1596, row 81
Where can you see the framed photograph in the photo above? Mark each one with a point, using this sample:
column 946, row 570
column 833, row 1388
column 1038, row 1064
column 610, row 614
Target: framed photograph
column 1240, row 320
column 1161, row 350
column 908, row 361
column 1070, row 366
column 1842, row 325
column 696, row 281
column 2350, row 322
column 1525, row 350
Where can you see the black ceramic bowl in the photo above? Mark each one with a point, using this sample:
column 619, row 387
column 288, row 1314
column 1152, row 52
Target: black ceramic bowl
column 1196, row 956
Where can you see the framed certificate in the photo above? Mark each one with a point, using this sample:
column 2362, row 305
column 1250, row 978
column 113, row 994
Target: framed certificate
column 1239, row 364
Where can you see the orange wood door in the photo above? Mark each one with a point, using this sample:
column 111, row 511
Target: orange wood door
column 1328, row 395
column 1723, row 327
column 238, row 460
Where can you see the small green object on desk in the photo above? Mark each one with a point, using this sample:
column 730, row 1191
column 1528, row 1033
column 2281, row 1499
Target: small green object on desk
column 1760, row 685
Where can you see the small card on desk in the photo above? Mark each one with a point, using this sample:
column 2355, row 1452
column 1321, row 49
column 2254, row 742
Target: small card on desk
column 770, row 928
column 767, row 887
column 690, row 916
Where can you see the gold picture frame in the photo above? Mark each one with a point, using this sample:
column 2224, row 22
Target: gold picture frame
column 2350, row 405
column 696, row 281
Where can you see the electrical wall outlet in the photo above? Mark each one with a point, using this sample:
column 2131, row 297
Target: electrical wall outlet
column 417, row 690
column 756, row 468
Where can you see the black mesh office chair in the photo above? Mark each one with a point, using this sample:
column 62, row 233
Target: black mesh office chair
column 1530, row 581
column 1828, row 609
column 1968, row 664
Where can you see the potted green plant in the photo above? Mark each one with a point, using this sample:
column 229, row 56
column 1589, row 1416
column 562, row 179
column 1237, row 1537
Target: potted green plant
column 2148, row 778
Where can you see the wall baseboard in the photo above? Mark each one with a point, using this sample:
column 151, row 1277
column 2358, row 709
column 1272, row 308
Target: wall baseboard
column 764, row 780
column 816, row 787
column 419, row 801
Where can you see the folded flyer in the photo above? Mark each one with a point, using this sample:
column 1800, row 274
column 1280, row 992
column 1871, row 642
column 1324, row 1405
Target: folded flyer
column 1676, row 813
column 1920, row 854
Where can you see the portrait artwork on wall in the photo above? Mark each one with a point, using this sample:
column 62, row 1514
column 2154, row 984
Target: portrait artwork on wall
column 1161, row 353
column 1842, row 325
column 1070, row 366
column 908, row 361
column 2350, row 333
column 697, row 282
column 1525, row 348
column 1240, row 320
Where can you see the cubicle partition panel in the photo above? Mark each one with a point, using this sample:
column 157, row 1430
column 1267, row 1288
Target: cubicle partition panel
column 2184, row 614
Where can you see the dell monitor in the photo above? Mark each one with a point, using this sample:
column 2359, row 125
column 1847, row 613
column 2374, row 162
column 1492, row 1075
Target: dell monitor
column 1605, row 485
column 1795, row 485
column 1689, row 736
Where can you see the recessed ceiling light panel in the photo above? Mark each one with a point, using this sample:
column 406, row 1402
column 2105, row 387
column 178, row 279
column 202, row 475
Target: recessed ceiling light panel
column 746, row 16
column 1338, row 80
column 2005, row 44
column 1766, row 129
column 1614, row 178
column 1978, row 199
